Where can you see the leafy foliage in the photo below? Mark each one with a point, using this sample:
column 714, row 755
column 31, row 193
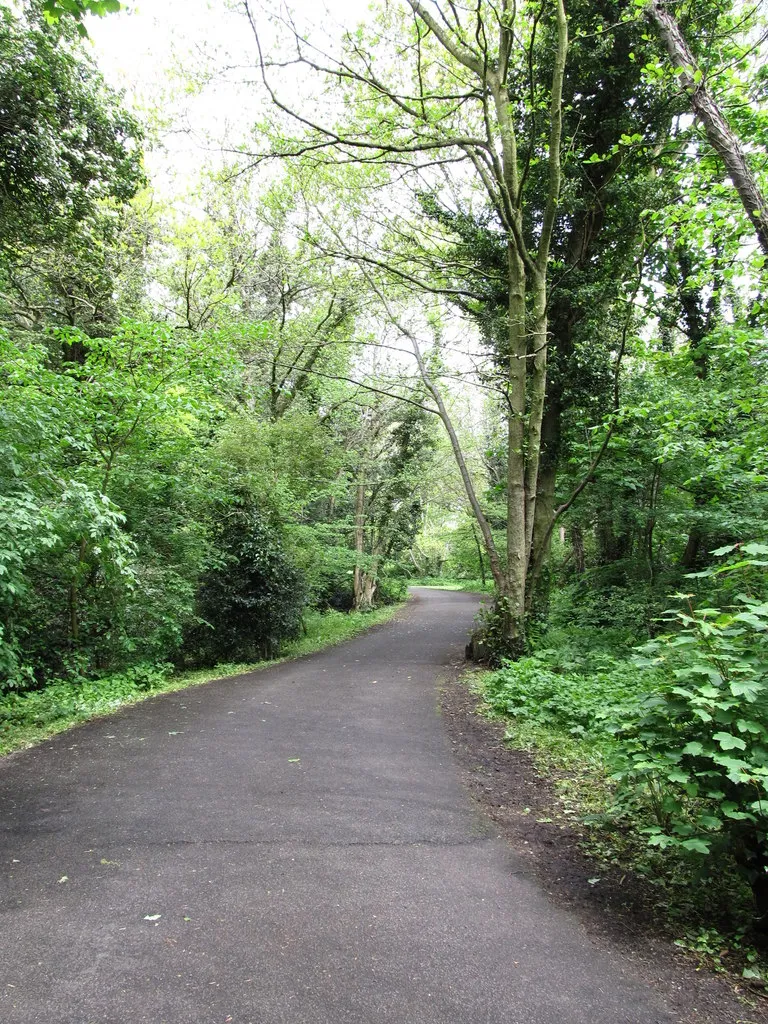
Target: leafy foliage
column 699, row 750
column 683, row 724
column 581, row 703
column 253, row 598
column 55, row 10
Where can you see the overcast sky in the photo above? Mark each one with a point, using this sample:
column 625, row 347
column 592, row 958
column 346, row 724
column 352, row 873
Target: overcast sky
column 190, row 64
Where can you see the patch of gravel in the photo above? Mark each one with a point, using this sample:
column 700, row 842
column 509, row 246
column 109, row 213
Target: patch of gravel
column 618, row 910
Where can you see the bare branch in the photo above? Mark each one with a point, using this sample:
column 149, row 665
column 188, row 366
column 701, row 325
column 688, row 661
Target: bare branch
column 463, row 54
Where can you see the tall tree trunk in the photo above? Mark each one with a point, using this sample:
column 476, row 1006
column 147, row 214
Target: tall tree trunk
column 699, row 318
column 577, row 546
column 359, row 578
column 512, row 595
column 544, row 513
column 74, row 595
column 480, row 559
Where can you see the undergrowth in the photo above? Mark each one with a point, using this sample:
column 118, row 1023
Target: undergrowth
column 706, row 909
column 659, row 755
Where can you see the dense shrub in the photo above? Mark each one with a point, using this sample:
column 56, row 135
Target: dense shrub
column 698, row 752
column 682, row 724
column 253, row 599
column 580, row 703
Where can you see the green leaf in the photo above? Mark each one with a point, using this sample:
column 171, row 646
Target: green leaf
column 747, row 725
column 729, row 742
column 751, row 619
column 694, row 747
column 749, row 689
column 697, row 845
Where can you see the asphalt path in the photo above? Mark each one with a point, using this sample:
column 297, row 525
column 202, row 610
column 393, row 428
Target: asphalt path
column 291, row 846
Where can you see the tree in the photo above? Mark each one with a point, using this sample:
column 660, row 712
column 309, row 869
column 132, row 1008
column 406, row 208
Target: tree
column 242, row 267
column 70, row 162
column 394, row 445
column 67, row 141
column 104, row 511
column 721, row 136
column 447, row 95
column 618, row 127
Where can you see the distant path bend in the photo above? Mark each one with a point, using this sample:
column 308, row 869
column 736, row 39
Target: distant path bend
column 304, row 838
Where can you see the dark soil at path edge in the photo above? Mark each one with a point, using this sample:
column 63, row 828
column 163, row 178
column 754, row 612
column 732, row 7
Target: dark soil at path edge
column 513, row 794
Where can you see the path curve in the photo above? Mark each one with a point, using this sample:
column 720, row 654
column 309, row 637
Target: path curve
column 304, row 838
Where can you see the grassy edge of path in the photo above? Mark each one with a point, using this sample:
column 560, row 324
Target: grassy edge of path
column 30, row 718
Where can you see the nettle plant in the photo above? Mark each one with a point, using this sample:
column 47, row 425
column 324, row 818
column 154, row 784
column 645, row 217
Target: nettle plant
column 699, row 752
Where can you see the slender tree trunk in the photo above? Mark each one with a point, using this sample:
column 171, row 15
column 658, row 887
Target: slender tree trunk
column 650, row 524
column 577, row 546
column 74, row 624
column 367, row 591
column 480, row 559
column 359, row 579
column 544, row 512
column 518, row 506
column 74, row 597
column 493, row 556
column 538, row 388
column 720, row 134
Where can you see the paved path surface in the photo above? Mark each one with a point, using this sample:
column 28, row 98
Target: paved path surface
column 356, row 884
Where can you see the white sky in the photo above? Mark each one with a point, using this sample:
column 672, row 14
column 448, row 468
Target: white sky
column 189, row 64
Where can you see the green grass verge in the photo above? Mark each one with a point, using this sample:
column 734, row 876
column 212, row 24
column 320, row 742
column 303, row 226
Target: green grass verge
column 29, row 718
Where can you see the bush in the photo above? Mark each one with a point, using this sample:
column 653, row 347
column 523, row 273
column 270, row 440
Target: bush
column 683, row 724
column 253, row 599
column 699, row 751
column 580, row 703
